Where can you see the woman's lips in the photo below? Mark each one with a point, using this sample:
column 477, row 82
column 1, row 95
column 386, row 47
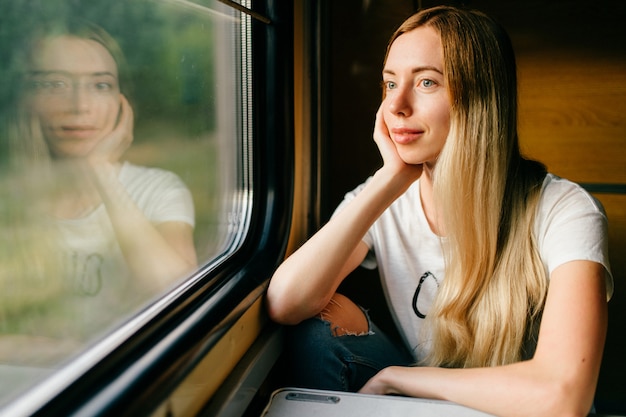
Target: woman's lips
column 77, row 131
column 403, row 136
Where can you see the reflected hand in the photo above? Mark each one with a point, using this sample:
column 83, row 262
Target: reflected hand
column 112, row 146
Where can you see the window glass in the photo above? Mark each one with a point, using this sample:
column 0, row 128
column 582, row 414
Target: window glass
column 123, row 168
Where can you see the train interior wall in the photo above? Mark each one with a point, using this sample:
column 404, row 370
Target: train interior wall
column 572, row 76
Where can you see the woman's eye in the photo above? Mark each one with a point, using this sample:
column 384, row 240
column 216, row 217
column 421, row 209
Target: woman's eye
column 49, row 86
column 428, row 83
column 103, row 86
column 390, row 85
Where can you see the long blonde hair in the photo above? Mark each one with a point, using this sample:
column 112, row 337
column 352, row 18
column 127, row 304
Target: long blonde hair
column 489, row 305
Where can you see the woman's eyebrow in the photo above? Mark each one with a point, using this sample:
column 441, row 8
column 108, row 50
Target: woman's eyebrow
column 70, row 74
column 416, row 70
column 103, row 73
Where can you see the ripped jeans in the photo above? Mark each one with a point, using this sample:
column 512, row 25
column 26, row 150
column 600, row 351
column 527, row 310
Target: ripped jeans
column 340, row 349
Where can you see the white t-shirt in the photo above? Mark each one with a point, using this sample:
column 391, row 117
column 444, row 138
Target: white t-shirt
column 160, row 195
column 96, row 277
column 570, row 225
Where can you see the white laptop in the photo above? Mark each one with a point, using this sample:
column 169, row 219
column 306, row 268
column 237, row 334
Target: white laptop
column 296, row 402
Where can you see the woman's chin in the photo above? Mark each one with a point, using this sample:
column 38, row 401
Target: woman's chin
column 72, row 151
column 412, row 159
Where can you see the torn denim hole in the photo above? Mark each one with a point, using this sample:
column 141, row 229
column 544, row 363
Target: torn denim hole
column 338, row 330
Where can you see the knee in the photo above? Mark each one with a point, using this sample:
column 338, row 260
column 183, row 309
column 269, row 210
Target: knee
column 344, row 316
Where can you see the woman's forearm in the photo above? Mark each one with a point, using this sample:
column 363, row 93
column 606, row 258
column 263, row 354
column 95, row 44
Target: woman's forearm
column 521, row 389
column 306, row 281
column 149, row 255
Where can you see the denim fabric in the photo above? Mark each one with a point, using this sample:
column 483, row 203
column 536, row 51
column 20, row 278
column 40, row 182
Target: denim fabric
column 319, row 360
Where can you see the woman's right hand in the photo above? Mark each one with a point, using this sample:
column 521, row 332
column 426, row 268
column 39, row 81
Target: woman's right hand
column 392, row 162
column 112, row 147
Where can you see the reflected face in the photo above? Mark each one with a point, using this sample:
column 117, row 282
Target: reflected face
column 74, row 92
column 416, row 107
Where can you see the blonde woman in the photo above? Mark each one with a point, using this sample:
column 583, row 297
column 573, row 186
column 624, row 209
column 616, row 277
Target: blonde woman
column 496, row 272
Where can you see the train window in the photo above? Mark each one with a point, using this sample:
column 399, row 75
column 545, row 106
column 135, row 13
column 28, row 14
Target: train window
column 125, row 170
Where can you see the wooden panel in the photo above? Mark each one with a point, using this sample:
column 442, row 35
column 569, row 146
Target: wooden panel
column 573, row 114
column 198, row 387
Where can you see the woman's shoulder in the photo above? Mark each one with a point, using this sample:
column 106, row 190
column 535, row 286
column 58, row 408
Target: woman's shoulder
column 130, row 169
column 131, row 175
column 557, row 191
column 571, row 225
column 160, row 194
column 566, row 207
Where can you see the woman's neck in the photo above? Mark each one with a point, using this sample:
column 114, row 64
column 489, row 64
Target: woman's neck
column 76, row 205
column 427, row 197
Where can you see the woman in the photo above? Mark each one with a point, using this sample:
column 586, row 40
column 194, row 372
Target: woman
column 122, row 232
column 495, row 272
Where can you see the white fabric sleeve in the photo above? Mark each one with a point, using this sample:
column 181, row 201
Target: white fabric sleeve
column 571, row 225
column 161, row 195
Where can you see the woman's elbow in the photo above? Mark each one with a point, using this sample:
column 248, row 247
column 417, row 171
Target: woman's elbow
column 280, row 315
column 564, row 399
column 571, row 407
column 279, row 307
column 290, row 306
column 276, row 310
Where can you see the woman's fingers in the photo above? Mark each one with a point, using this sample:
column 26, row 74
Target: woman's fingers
column 114, row 144
column 383, row 140
column 388, row 151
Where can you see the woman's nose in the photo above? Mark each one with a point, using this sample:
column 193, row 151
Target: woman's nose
column 400, row 103
column 79, row 99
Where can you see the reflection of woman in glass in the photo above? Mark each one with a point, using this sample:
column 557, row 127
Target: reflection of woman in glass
column 124, row 229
